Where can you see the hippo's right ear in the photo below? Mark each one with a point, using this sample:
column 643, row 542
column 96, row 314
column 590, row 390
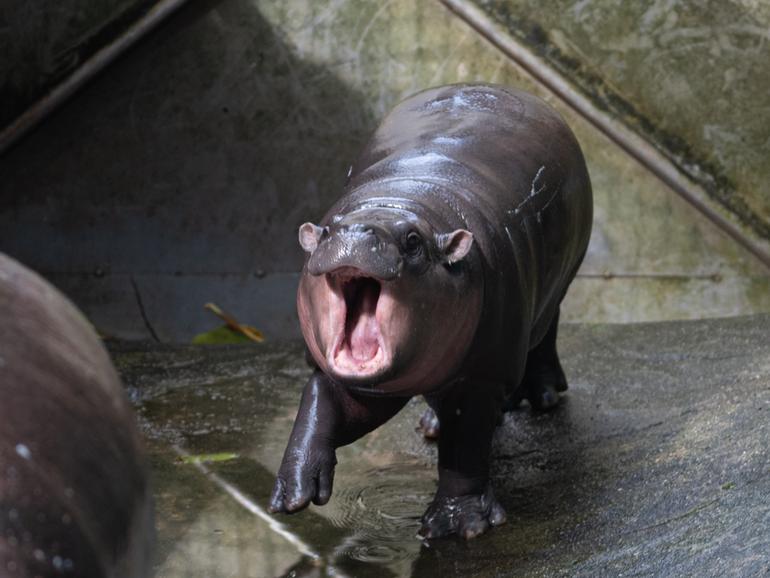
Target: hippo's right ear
column 455, row 245
column 309, row 236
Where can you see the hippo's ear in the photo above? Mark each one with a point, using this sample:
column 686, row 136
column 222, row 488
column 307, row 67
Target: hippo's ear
column 309, row 236
column 455, row 245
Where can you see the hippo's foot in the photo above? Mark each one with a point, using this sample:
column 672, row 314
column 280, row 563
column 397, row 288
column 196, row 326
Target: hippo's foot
column 541, row 390
column 469, row 515
column 543, row 376
column 429, row 425
column 302, row 478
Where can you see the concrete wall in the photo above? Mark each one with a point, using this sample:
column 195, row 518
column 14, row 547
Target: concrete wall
column 181, row 174
column 690, row 75
column 42, row 42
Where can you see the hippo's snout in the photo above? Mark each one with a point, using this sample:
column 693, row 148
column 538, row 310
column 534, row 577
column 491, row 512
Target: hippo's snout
column 358, row 247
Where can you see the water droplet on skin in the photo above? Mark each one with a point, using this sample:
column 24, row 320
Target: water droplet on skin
column 23, row 451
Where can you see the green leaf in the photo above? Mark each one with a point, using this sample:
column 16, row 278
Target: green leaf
column 208, row 458
column 220, row 335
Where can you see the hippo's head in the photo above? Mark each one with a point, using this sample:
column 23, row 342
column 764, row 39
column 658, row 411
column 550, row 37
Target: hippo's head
column 386, row 301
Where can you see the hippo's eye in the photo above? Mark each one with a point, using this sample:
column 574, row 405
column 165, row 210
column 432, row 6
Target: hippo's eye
column 413, row 243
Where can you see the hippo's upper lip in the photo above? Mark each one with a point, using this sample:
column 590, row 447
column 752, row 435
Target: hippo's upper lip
column 365, row 254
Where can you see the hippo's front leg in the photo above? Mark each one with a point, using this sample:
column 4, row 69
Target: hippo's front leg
column 464, row 503
column 329, row 416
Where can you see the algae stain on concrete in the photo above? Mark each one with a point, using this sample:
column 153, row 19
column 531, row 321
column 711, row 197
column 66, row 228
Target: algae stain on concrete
column 689, row 76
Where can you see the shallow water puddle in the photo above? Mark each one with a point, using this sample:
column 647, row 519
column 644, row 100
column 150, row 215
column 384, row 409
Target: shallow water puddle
column 215, row 447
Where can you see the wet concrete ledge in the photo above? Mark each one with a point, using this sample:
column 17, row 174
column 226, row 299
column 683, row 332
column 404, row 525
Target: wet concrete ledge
column 656, row 463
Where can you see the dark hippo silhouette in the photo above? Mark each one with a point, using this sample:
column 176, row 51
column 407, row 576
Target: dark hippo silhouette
column 74, row 497
column 439, row 273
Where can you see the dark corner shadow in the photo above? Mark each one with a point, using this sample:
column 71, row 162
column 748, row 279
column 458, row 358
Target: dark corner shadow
column 210, row 128
column 302, row 124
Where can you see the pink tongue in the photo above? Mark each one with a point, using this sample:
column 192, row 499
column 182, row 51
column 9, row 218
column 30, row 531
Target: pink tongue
column 363, row 337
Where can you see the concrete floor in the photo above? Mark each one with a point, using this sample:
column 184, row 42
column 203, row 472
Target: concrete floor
column 656, row 464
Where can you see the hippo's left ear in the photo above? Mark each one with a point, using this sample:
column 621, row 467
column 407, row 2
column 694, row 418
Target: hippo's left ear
column 309, row 236
column 455, row 245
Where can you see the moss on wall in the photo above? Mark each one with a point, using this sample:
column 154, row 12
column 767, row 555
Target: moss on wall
column 691, row 76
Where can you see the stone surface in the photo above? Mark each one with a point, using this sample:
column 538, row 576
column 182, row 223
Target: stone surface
column 656, row 463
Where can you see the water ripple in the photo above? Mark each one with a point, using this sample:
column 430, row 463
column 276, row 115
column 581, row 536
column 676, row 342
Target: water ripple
column 383, row 507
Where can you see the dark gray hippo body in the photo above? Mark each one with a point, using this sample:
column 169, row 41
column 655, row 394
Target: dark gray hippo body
column 440, row 272
column 74, row 496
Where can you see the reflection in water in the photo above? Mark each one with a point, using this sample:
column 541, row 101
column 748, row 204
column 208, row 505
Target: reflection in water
column 382, row 508
column 368, row 529
column 253, row 507
column 383, row 483
column 376, row 516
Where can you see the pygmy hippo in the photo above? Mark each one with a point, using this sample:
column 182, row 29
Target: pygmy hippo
column 439, row 272
column 74, row 495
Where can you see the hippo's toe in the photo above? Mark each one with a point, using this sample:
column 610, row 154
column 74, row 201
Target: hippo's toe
column 429, row 425
column 300, row 482
column 542, row 392
column 469, row 515
column 544, row 397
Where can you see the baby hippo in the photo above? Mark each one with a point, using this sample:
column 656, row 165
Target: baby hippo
column 74, row 495
column 439, row 272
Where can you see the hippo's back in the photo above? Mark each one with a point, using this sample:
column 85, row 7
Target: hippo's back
column 505, row 165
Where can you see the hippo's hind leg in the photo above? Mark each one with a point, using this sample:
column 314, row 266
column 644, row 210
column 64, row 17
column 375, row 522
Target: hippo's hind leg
column 543, row 376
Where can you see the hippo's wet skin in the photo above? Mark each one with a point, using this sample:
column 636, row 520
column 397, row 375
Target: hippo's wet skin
column 74, row 496
column 439, row 273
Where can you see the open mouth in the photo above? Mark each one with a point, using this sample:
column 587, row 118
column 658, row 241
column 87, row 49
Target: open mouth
column 359, row 347
column 362, row 332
